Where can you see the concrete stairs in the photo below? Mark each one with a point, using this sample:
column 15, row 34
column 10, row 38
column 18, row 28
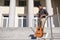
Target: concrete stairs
column 24, row 33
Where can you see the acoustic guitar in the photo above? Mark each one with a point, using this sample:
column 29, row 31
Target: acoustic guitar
column 39, row 29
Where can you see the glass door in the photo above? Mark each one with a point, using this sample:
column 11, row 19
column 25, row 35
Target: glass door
column 20, row 21
column 35, row 21
column 5, row 22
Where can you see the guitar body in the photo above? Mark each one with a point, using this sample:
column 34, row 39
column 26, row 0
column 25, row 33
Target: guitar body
column 39, row 32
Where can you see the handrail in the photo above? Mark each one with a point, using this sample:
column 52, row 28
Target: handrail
column 51, row 27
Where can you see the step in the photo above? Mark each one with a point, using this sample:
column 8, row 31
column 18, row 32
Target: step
column 23, row 33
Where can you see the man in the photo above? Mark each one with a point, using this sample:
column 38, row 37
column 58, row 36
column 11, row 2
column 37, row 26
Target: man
column 41, row 15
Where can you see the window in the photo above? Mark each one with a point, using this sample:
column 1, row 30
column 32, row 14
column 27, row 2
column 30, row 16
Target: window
column 6, row 2
column 35, row 21
column 22, row 3
column 5, row 21
column 24, row 21
column 20, row 21
column 36, row 3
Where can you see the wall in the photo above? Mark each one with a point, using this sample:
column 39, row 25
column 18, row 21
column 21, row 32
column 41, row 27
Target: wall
column 21, row 10
column 55, row 5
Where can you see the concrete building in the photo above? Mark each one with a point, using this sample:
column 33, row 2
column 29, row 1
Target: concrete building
column 22, row 13
column 17, row 16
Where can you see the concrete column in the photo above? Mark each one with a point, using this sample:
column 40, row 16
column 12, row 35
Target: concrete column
column 30, row 13
column 50, row 11
column 0, row 18
column 16, row 20
column 12, row 13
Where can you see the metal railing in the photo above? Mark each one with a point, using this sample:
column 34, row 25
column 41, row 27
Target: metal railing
column 51, row 29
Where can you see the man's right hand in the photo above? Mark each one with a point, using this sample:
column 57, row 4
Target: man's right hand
column 42, row 15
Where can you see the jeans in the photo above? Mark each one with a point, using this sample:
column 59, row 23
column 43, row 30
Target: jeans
column 41, row 22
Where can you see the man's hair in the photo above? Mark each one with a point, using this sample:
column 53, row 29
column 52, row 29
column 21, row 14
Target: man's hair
column 39, row 5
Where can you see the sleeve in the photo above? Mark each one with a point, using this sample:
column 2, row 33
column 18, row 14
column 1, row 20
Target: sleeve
column 45, row 11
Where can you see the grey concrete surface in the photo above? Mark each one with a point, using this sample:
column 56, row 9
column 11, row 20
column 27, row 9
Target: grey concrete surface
column 23, row 33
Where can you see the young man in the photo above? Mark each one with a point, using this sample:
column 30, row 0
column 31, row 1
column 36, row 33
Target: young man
column 41, row 15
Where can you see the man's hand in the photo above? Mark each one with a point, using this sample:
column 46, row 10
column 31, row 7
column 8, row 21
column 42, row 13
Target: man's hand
column 42, row 15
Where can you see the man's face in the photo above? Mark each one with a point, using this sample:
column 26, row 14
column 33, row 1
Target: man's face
column 40, row 7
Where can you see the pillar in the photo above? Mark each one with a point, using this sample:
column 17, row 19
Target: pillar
column 50, row 11
column 30, row 13
column 0, row 18
column 12, row 13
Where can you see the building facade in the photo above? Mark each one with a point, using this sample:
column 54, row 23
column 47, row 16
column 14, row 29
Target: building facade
column 22, row 13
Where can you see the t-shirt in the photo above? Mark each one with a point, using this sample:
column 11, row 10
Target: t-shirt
column 42, row 11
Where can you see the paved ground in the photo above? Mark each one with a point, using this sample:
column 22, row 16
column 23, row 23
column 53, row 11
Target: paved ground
column 23, row 33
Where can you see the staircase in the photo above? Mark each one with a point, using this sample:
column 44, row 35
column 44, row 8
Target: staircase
column 24, row 33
